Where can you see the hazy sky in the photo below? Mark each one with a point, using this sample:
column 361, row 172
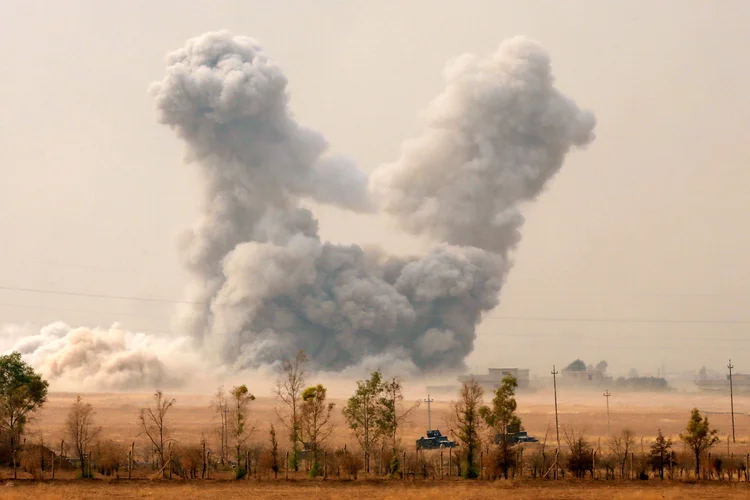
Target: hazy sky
column 644, row 231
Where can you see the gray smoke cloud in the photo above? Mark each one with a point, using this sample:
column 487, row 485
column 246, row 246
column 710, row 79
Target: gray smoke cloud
column 494, row 137
column 265, row 284
column 270, row 286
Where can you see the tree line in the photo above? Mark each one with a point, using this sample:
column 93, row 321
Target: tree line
column 479, row 425
column 374, row 417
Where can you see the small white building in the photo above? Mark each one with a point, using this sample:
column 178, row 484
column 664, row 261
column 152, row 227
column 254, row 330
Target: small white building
column 494, row 377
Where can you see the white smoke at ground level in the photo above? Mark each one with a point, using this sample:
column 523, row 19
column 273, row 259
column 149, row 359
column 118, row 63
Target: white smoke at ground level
column 105, row 358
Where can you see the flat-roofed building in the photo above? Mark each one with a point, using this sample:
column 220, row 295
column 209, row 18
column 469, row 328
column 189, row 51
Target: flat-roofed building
column 494, row 377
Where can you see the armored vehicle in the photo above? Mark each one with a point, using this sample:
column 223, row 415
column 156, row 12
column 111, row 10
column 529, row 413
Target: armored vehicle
column 434, row 440
column 516, row 437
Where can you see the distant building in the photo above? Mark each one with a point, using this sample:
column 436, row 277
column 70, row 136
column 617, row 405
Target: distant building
column 588, row 377
column 740, row 383
column 495, row 376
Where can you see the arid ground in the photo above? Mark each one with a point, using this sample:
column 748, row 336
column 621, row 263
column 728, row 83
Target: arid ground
column 192, row 417
column 386, row 490
column 644, row 413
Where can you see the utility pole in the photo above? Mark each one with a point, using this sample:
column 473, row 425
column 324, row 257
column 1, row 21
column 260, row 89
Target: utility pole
column 607, row 395
column 429, row 420
column 557, row 422
column 221, row 434
column 224, row 437
column 731, row 396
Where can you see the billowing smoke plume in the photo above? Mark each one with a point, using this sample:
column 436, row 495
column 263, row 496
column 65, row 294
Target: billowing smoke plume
column 104, row 358
column 496, row 135
column 266, row 285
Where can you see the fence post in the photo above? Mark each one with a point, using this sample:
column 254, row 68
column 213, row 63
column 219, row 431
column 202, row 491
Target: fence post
column 671, row 467
column 631, row 475
column 203, row 471
column 287, row 465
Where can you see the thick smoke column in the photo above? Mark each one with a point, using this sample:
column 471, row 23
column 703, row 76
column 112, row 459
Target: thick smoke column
column 495, row 136
column 265, row 284
column 270, row 286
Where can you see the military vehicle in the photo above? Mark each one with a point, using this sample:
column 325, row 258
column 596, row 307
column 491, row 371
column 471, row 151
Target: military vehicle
column 516, row 437
column 434, row 441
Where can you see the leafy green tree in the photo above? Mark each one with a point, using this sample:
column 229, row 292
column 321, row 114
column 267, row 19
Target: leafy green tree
column 22, row 392
column 274, row 462
column 468, row 424
column 699, row 436
column 363, row 416
column 502, row 418
column 661, row 454
column 576, row 366
column 239, row 425
column 316, row 421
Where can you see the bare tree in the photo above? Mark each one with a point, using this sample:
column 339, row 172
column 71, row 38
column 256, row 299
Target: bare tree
column 80, row 429
column 392, row 411
column 581, row 458
column 288, row 389
column 220, row 405
column 239, row 421
column 153, row 423
column 621, row 446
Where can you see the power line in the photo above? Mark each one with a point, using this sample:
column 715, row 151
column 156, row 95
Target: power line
column 520, row 336
column 98, row 295
column 484, row 317
column 620, row 320
column 81, row 311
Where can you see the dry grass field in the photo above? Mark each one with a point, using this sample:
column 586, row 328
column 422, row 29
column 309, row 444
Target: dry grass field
column 644, row 413
column 385, row 490
column 192, row 417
